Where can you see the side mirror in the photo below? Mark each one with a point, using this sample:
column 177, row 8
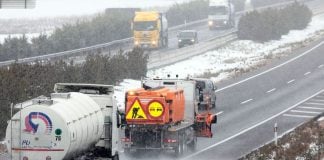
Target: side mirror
column 120, row 119
column 132, row 26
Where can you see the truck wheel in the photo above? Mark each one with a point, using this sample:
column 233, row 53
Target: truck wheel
column 179, row 148
column 184, row 144
column 193, row 145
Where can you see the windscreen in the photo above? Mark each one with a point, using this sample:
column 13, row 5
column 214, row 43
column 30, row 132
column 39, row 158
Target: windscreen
column 145, row 26
column 187, row 34
column 217, row 10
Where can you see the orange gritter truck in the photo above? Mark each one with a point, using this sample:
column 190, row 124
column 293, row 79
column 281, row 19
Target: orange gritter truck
column 164, row 115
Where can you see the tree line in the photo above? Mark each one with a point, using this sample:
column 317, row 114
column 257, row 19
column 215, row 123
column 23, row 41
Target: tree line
column 21, row 82
column 271, row 24
column 111, row 25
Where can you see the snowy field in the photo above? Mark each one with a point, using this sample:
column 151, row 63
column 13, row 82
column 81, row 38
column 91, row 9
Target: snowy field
column 51, row 8
column 242, row 55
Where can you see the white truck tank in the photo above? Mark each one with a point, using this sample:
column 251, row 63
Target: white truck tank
column 56, row 128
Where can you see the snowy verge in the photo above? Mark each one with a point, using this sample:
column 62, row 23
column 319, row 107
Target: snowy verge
column 242, row 55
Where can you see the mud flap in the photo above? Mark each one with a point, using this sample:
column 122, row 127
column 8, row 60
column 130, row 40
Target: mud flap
column 203, row 125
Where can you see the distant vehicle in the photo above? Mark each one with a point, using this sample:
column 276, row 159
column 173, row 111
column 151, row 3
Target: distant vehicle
column 150, row 30
column 206, row 89
column 187, row 37
column 221, row 14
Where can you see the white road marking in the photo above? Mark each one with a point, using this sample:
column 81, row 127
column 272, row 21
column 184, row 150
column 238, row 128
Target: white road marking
column 311, row 103
column 271, row 69
column 310, row 112
column 291, row 81
column 316, row 108
column 298, row 116
column 317, row 100
column 252, row 127
column 219, row 113
column 307, row 73
column 246, row 101
column 321, row 66
column 273, row 89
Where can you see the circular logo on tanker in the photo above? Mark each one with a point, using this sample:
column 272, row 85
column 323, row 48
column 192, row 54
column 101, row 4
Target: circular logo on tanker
column 155, row 109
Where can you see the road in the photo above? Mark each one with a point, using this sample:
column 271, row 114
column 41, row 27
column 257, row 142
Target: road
column 287, row 91
column 280, row 92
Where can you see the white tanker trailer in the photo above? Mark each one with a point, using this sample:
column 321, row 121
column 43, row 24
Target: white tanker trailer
column 76, row 118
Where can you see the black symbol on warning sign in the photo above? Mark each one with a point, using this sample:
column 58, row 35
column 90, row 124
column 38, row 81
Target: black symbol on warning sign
column 135, row 111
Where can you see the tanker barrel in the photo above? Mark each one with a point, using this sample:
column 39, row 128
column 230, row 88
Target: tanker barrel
column 56, row 128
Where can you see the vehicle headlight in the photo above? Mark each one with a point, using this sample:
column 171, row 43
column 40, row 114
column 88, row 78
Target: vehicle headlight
column 192, row 40
column 179, row 40
column 136, row 42
column 225, row 22
column 154, row 42
column 210, row 23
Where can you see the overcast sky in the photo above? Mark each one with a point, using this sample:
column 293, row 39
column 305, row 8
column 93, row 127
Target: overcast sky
column 52, row 8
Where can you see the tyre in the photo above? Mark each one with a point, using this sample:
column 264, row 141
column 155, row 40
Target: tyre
column 214, row 105
column 179, row 148
column 193, row 145
column 115, row 157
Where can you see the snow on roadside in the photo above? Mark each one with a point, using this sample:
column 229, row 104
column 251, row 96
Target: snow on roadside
column 121, row 89
column 242, row 55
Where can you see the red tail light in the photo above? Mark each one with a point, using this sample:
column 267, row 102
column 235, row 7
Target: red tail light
column 125, row 139
column 170, row 140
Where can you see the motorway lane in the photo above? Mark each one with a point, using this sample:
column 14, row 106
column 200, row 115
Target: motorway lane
column 297, row 77
column 271, row 93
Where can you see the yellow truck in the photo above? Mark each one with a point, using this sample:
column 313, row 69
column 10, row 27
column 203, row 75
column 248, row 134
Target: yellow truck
column 150, row 30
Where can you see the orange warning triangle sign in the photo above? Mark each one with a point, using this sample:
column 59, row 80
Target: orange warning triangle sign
column 136, row 111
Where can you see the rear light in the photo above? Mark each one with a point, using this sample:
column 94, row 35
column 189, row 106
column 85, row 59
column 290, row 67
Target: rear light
column 125, row 139
column 206, row 96
column 170, row 140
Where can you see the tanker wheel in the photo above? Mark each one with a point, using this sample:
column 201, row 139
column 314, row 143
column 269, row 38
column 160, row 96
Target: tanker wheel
column 115, row 157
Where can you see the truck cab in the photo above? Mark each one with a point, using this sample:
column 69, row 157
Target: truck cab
column 150, row 30
column 206, row 91
column 221, row 14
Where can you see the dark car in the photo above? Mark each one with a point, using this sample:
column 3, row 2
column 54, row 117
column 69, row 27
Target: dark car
column 187, row 37
column 206, row 91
